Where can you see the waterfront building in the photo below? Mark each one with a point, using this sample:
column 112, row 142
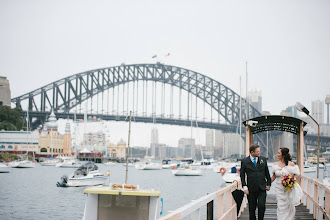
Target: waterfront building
column 51, row 142
column 5, row 95
column 19, row 142
column 255, row 99
column 117, row 151
column 209, row 142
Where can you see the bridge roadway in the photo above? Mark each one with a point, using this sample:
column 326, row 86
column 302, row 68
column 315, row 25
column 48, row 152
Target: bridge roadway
column 309, row 139
column 160, row 120
column 302, row 213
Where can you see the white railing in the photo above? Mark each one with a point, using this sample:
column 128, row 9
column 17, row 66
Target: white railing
column 316, row 198
column 226, row 206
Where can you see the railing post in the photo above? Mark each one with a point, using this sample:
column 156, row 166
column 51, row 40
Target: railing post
column 308, row 193
column 220, row 206
column 228, row 201
column 316, row 196
column 321, row 202
column 210, row 210
column 327, row 202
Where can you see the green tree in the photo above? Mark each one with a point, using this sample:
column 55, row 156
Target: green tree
column 10, row 119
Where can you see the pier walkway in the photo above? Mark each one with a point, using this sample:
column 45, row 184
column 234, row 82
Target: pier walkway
column 302, row 213
column 315, row 204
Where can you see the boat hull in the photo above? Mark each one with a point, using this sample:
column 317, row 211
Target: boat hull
column 148, row 166
column 187, row 172
column 75, row 182
column 24, row 164
column 5, row 168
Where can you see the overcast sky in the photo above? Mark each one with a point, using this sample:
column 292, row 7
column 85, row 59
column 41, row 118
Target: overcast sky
column 286, row 43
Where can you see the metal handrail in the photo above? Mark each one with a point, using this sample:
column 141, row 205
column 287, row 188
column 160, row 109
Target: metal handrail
column 318, row 200
column 226, row 206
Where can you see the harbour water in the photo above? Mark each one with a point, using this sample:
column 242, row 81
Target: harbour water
column 33, row 194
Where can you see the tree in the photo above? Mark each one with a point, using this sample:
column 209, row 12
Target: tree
column 10, row 119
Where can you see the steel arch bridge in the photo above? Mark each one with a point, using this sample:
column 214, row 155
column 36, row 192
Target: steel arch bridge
column 67, row 93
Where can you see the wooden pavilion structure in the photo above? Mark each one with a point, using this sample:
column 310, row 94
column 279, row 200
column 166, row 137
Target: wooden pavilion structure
column 277, row 123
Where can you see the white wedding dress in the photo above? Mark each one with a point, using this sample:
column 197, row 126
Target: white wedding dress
column 286, row 201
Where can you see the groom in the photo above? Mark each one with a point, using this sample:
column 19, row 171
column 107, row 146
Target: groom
column 258, row 181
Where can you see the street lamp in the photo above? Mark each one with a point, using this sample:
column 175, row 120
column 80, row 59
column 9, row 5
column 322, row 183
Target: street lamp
column 302, row 108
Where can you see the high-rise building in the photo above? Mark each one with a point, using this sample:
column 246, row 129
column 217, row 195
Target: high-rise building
column 209, row 138
column 188, row 147
column 154, row 141
column 318, row 111
column 209, row 143
column 154, row 136
column 292, row 110
column 5, row 96
column 255, row 99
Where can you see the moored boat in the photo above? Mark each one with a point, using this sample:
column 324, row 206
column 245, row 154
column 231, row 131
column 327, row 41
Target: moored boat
column 26, row 164
column 186, row 170
column 148, row 165
column 5, row 168
column 86, row 175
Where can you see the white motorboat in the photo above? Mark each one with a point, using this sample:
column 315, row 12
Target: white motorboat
column 13, row 164
column 110, row 163
column 69, row 163
column 205, row 164
column 50, row 162
column 309, row 169
column 26, row 164
column 230, row 177
column 186, row 171
column 168, row 164
column 85, row 175
column 148, row 165
column 129, row 164
column 5, row 168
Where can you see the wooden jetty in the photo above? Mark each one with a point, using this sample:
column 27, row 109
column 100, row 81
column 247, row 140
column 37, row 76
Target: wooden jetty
column 221, row 205
column 302, row 213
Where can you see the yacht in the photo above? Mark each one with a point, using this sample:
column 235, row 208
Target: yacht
column 86, row 175
column 69, row 163
column 148, row 165
column 50, row 162
column 110, row 163
column 5, row 168
column 168, row 164
column 186, row 170
column 26, row 164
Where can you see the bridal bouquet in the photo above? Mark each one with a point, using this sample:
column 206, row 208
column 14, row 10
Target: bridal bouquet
column 288, row 182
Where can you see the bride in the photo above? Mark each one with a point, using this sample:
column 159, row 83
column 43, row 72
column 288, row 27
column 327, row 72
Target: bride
column 286, row 201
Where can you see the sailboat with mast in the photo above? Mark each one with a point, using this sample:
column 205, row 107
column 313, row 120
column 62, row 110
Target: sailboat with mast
column 26, row 163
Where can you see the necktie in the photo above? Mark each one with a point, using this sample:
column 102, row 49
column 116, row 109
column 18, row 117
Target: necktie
column 255, row 161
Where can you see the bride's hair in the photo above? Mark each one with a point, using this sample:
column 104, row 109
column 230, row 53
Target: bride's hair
column 286, row 155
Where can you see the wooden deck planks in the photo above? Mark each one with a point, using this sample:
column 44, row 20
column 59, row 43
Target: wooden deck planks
column 302, row 213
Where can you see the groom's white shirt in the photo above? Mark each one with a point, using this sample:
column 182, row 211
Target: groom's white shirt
column 252, row 159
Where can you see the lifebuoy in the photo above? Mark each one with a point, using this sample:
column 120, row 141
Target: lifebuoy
column 222, row 170
column 238, row 171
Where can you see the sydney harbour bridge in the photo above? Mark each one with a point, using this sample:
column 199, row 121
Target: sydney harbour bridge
column 153, row 92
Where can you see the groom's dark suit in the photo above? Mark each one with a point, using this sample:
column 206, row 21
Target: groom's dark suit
column 257, row 179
